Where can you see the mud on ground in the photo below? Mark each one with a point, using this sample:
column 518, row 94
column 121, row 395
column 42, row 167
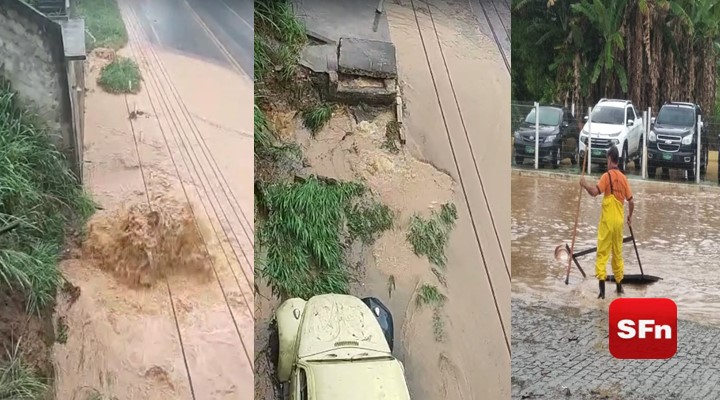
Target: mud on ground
column 34, row 334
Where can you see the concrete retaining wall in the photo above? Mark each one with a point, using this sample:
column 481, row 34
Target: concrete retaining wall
column 32, row 58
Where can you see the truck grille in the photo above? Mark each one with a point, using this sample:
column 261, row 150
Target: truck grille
column 601, row 143
column 672, row 147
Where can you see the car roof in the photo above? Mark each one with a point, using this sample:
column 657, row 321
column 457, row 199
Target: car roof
column 358, row 380
column 679, row 105
column 613, row 103
column 337, row 325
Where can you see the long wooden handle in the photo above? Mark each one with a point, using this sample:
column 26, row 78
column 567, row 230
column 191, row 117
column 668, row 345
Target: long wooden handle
column 577, row 215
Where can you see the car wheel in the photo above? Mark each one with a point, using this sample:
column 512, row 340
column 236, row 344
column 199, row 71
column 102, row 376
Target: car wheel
column 623, row 159
column 651, row 170
column 556, row 159
column 691, row 171
column 519, row 160
column 665, row 173
column 274, row 344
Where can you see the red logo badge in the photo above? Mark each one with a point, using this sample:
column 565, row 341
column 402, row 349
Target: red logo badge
column 643, row 328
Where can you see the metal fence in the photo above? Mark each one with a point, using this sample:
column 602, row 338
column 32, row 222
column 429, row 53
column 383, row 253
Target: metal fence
column 542, row 146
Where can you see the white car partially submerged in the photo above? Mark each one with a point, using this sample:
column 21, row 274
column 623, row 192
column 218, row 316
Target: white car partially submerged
column 335, row 347
column 613, row 122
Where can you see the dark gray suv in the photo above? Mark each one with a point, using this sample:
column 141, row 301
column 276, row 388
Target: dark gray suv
column 672, row 142
column 557, row 128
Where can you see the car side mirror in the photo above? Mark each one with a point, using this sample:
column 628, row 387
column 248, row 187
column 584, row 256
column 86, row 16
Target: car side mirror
column 585, row 118
column 630, row 122
column 565, row 124
column 652, row 120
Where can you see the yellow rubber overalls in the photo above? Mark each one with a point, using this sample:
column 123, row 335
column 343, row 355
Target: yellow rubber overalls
column 610, row 236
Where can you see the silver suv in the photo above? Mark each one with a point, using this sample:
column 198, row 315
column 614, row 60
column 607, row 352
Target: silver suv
column 613, row 122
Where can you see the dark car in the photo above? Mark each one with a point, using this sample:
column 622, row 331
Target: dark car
column 672, row 142
column 557, row 127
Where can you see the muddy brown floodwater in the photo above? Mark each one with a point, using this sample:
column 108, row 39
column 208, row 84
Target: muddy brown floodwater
column 675, row 225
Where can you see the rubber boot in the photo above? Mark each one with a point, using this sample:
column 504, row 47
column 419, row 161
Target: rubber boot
column 620, row 289
column 601, row 284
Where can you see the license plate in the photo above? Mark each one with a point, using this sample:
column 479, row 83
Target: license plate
column 530, row 149
column 597, row 152
column 667, row 156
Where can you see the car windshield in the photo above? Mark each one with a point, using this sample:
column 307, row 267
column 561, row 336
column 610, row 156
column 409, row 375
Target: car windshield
column 676, row 116
column 608, row 115
column 548, row 116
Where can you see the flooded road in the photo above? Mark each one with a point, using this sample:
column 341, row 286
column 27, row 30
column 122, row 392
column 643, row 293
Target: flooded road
column 675, row 225
column 454, row 85
column 216, row 30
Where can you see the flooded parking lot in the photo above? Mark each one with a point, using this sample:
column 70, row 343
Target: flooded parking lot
column 675, row 225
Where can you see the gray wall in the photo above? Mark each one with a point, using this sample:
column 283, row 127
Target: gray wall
column 32, row 58
column 76, row 81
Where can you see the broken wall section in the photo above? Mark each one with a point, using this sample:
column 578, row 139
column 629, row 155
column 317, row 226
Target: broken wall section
column 32, row 58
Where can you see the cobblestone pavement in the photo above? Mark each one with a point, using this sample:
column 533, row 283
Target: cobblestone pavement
column 561, row 353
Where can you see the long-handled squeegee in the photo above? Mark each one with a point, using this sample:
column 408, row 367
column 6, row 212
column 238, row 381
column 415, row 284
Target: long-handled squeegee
column 577, row 216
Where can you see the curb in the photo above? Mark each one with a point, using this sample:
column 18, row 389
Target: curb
column 707, row 185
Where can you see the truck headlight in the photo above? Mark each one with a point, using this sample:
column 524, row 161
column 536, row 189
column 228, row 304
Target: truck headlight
column 615, row 142
column 651, row 136
column 687, row 139
column 550, row 138
column 584, row 139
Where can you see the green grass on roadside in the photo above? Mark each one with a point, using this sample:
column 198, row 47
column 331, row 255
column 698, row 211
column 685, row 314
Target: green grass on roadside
column 122, row 75
column 429, row 295
column 429, row 237
column 18, row 381
column 38, row 189
column 279, row 36
column 316, row 117
column 303, row 237
column 366, row 220
column 103, row 23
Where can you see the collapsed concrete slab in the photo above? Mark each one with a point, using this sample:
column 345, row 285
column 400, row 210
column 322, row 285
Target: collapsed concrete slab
column 365, row 57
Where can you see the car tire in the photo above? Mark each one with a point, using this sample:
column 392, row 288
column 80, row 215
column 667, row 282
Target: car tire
column 274, row 344
column 691, row 172
column 651, row 169
column 665, row 173
column 519, row 160
column 623, row 158
column 556, row 159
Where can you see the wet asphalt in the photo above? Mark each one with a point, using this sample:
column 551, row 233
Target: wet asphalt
column 217, row 30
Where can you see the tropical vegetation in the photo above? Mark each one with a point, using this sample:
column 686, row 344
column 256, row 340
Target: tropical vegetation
column 649, row 51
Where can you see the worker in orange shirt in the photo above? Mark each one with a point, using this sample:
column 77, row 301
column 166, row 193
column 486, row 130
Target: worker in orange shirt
column 616, row 190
